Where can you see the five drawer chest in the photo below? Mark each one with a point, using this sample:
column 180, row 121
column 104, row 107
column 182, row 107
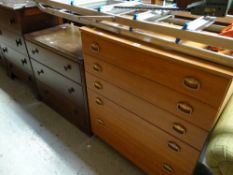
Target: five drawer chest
column 155, row 106
column 57, row 62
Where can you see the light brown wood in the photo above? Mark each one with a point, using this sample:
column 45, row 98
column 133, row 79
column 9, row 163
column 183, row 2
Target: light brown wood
column 202, row 115
column 143, row 143
column 152, row 114
column 159, row 65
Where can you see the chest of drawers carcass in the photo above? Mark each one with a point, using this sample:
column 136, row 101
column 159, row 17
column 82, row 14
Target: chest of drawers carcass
column 56, row 56
column 156, row 107
column 16, row 19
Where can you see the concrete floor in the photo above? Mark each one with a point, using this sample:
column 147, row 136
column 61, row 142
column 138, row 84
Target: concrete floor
column 35, row 140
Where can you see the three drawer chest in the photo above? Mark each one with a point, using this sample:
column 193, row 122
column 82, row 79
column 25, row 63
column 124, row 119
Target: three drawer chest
column 57, row 62
column 155, row 106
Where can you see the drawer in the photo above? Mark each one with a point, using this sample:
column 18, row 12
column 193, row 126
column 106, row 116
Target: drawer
column 62, row 85
column 144, row 144
column 56, row 62
column 154, row 115
column 73, row 113
column 157, row 65
column 10, row 20
column 178, row 104
column 13, row 40
column 17, row 59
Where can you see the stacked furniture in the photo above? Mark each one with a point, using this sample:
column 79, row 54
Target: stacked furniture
column 17, row 18
column 154, row 106
column 56, row 56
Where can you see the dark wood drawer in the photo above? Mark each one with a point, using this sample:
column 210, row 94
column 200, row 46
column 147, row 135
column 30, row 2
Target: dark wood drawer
column 13, row 40
column 144, row 144
column 74, row 113
column 62, row 85
column 17, row 59
column 10, row 20
column 154, row 115
column 185, row 107
column 56, row 62
column 200, row 80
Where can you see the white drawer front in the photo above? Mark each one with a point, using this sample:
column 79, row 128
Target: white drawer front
column 56, row 62
column 66, row 87
column 13, row 40
column 16, row 58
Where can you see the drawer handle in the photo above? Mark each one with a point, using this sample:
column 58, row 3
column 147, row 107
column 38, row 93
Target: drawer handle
column 67, row 67
column 4, row 49
column 97, row 67
column 12, row 21
column 95, row 47
column 35, row 51
column 100, row 122
column 71, row 90
column 192, row 83
column 24, row 61
column 98, row 85
column 40, row 72
column 99, row 101
column 185, row 108
column 18, row 42
column 179, row 128
column 168, row 168
column 174, row 146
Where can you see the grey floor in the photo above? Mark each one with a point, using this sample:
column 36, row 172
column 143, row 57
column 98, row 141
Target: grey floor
column 35, row 140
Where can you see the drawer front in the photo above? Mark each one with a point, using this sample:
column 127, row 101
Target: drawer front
column 75, row 114
column 141, row 142
column 10, row 20
column 182, row 106
column 62, row 85
column 13, row 40
column 17, row 59
column 60, row 64
column 156, row 66
column 154, row 115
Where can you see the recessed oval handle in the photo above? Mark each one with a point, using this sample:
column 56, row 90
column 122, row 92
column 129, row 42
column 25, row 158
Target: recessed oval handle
column 97, row 67
column 174, row 146
column 98, row 85
column 192, row 83
column 100, row 122
column 185, row 108
column 180, row 129
column 95, row 47
column 99, row 101
column 168, row 168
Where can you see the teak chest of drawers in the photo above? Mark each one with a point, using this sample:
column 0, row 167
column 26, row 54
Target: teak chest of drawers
column 14, row 23
column 57, row 62
column 154, row 106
